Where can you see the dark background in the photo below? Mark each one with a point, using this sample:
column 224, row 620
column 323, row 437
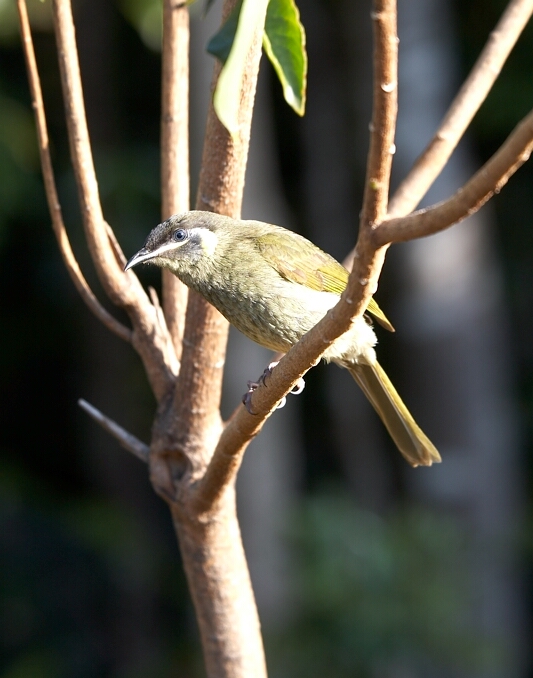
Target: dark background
column 91, row 583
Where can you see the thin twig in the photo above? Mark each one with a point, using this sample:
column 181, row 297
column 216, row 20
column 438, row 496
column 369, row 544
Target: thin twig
column 127, row 440
column 368, row 261
column 124, row 290
column 50, row 187
column 463, row 108
column 175, row 187
column 481, row 187
column 117, row 249
column 385, row 106
column 161, row 319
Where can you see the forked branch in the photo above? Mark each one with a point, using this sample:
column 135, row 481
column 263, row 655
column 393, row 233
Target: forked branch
column 54, row 206
column 463, row 108
column 220, row 190
column 124, row 290
column 474, row 194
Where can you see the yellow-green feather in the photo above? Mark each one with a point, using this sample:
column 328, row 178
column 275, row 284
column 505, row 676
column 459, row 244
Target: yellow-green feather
column 308, row 265
column 409, row 438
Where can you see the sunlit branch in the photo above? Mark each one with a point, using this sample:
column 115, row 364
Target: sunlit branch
column 463, row 108
column 481, row 187
column 54, row 206
column 175, row 187
column 243, row 426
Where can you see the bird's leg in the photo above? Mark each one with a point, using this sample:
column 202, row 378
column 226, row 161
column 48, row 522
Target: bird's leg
column 252, row 385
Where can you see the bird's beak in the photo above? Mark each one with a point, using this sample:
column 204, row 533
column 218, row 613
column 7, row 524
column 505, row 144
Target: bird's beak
column 141, row 256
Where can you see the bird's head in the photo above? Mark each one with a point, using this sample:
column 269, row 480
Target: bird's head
column 181, row 242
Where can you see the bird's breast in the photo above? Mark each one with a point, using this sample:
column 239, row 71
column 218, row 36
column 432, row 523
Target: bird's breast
column 276, row 313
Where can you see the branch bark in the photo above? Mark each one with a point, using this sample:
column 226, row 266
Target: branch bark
column 463, row 108
column 188, row 426
column 54, row 206
column 124, row 290
column 220, row 190
column 126, row 439
column 175, row 149
column 487, row 181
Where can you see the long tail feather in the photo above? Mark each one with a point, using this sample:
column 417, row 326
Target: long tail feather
column 409, row 438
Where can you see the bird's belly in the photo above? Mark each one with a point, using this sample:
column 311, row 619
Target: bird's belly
column 279, row 316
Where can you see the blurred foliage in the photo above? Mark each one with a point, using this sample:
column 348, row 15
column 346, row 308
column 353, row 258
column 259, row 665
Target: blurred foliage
column 18, row 159
column 146, row 16
column 69, row 572
column 39, row 11
column 380, row 597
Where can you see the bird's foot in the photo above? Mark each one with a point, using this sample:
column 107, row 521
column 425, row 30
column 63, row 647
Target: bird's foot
column 252, row 385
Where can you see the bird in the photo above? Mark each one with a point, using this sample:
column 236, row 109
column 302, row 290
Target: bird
column 274, row 285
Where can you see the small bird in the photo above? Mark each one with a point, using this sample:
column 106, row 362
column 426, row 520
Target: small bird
column 274, row 285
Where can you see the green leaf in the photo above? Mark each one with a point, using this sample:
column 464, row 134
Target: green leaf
column 226, row 100
column 284, row 44
column 221, row 43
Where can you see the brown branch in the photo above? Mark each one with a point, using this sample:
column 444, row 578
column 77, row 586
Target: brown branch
column 123, row 289
column 465, row 105
column 54, row 206
column 243, row 426
column 219, row 581
column 368, row 261
column 220, row 190
column 188, row 427
column 385, row 106
column 127, row 440
column 481, row 187
column 175, row 148
column 172, row 357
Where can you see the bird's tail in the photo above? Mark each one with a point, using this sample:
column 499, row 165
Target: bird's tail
column 409, row 438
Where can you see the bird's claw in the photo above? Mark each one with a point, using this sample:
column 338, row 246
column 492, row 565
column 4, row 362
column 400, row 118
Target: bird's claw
column 253, row 385
column 247, row 397
column 298, row 386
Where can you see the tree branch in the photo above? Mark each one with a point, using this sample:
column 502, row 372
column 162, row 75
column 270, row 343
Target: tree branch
column 385, row 106
column 175, row 149
column 123, row 289
column 54, row 206
column 188, row 426
column 481, row 187
column 368, row 261
column 463, row 108
column 220, row 190
column 127, row 440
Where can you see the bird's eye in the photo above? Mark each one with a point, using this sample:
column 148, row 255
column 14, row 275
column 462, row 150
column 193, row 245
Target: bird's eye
column 179, row 235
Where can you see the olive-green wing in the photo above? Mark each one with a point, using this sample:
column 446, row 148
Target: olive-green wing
column 298, row 260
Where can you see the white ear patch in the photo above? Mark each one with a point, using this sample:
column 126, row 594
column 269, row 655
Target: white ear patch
column 207, row 239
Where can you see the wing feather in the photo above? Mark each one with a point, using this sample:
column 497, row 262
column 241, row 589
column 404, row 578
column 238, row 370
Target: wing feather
column 306, row 264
